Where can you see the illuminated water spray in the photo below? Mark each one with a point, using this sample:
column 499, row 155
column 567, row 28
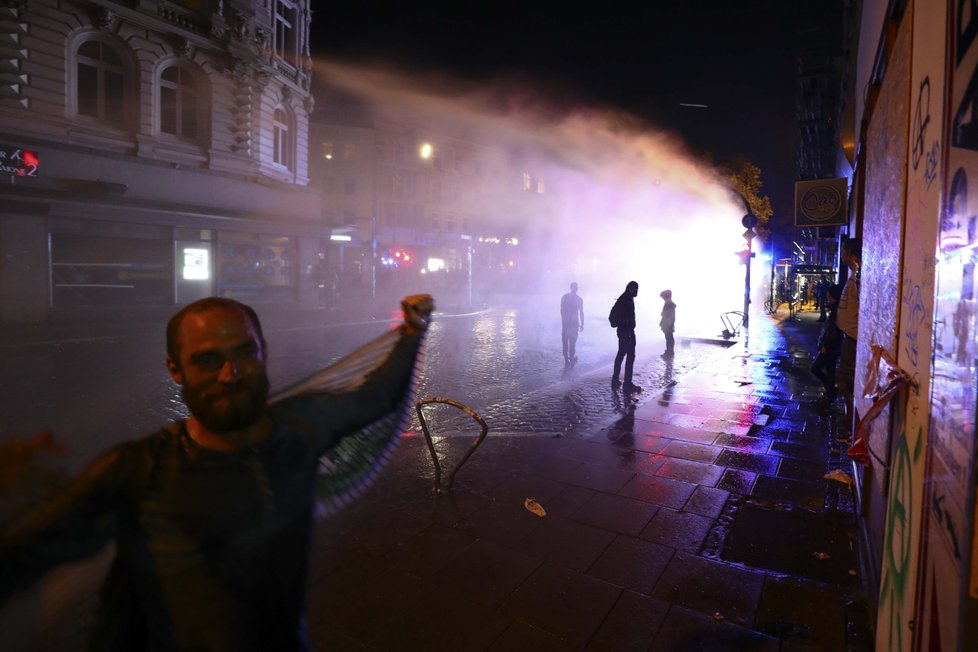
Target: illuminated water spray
column 622, row 201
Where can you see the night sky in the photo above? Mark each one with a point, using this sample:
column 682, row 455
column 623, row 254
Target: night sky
column 738, row 58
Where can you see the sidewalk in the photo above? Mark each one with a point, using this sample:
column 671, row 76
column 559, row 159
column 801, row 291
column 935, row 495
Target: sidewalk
column 699, row 520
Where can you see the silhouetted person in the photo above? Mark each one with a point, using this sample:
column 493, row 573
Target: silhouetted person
column 668, row 322
column 624, row 310
column 571, row 322
column 847, row 319
column 829, row 342
column 821, row 297
column 212, row 515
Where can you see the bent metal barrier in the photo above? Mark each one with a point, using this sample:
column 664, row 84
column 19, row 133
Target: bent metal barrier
column 431, row 446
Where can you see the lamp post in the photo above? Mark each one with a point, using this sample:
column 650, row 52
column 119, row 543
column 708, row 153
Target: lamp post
column 749, row 221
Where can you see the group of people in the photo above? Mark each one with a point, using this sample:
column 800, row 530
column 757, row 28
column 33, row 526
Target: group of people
column 622, row 318
column 837, row 342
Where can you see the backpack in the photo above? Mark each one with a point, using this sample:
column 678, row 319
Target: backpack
column 614, row 317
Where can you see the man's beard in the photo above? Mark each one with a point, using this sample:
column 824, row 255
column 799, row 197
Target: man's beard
column 230, row 407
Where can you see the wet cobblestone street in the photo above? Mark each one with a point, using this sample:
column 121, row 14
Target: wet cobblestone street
column 693, row 515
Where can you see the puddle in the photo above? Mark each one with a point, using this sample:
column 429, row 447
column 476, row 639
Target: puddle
column 797, row 544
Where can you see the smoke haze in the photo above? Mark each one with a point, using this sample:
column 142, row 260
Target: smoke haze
column 620, row 201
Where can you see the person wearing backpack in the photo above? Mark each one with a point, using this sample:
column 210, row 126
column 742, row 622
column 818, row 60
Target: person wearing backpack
column 622, row 317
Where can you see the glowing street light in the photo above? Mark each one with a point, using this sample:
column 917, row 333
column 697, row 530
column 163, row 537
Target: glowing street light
column 426, row 150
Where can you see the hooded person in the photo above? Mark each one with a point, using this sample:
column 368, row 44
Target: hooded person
column 668, row 322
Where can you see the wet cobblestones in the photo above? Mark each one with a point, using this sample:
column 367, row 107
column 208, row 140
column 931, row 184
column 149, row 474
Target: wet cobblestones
column 579, row 403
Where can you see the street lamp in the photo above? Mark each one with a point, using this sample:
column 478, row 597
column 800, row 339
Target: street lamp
column 749, row 220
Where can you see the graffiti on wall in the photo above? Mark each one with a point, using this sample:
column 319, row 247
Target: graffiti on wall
column 904, row 516
column 951, row 438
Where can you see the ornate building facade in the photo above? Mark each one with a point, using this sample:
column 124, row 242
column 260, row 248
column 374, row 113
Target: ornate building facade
column 154, row 152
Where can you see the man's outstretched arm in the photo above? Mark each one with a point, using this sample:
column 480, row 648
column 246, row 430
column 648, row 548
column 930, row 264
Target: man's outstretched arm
column 334, row 414
column 74, row 523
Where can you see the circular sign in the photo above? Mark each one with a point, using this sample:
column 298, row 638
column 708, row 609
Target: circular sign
column 821, row 203
column 749, row 221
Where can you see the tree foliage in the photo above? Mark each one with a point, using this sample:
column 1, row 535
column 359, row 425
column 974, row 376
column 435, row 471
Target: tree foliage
column 745, row 178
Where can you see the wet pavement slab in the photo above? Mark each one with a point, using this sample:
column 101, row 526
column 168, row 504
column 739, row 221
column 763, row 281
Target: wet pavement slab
column 698, row 518
column 692, row 516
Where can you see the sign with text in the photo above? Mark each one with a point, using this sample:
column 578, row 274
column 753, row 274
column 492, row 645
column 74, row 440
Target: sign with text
column 821, row 202
column 18, row 162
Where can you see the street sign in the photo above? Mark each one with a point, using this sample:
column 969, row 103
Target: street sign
column 749, row 235
column 18, row 162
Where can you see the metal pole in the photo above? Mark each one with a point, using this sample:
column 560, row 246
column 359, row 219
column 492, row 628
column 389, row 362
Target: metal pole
column 469, row 248
column 373, row 257
column 747, row 285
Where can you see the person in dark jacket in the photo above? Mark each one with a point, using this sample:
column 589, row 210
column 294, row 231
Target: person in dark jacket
column 624, row 309
column 212, row 515
column 829, row 343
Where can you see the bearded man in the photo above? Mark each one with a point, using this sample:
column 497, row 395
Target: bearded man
column 212, row 515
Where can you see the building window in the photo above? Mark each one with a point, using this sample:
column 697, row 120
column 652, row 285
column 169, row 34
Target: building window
column 527, row 181
column 180, row 104
column 350, row 186
column 328, row 151
column 327, row 185
column 349, row 152
column 101, row 82
column 282, row 136
column 540, row 187
column 286, row 31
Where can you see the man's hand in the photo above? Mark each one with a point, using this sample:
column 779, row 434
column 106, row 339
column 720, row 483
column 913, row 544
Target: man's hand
column 417, row 312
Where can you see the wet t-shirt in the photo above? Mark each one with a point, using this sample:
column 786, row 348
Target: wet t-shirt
column 212, row 546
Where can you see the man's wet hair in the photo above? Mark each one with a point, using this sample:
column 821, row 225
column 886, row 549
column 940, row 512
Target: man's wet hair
column 203, row 305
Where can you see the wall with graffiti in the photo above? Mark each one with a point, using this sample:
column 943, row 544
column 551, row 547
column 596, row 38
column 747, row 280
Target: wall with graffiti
column 879, row 296
column 909, row 426
column 952, row 164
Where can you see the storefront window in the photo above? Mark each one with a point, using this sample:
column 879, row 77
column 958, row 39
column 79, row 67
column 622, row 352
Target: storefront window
column 256, row 267
column 93, row 271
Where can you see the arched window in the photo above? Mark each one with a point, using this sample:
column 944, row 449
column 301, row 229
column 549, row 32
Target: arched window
column 283, row 137
column 102, row 82
column 181, row 103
